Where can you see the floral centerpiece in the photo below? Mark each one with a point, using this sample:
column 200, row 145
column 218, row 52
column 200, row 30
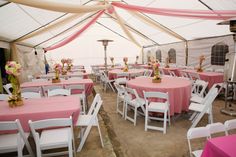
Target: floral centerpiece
column 126, row 67
column 63, row 61
column 136, row 61
column 201, row 59
column 167, row 62
column 58, row 69
column 112, row 62
column 13, row 71
column 69, row 64
column 156, row 78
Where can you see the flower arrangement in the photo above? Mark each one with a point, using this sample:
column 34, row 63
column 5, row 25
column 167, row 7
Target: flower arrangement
column 156, row 78
column 63, row 61
column 126, row 68
column 112, row 62
column 58, row 70
column 136, row 61
column 201, row 59
column 69, row 64
column 13, row 70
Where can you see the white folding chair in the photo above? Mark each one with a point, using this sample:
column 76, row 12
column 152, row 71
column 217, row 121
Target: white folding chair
column 199, row 88
column 183, row 74
column 219, row 70
column 4, row 97
column 205, row 107
column 133, row 101
column 105, row 80
column 87, row 121
column 59, row 92
column 230, row 125
column 39, row 80
column 55, row 133
column 171, row 73
column 31, row 95
column 46, row 88
column 194, row 76
column 147, row 73
column 120, row 99
column 13, row 142
column 216, row 128
column 123, row 75
column 7, row 88
column 82, row 95
column 160, row 107
column 194, row 133
column 121, row 80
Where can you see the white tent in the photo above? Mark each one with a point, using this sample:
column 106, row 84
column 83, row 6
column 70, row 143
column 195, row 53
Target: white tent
column 194, row 35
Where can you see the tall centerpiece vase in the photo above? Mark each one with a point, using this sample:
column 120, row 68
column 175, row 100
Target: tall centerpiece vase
column 126, row 67
column 69, row 65
column 57, row 69
column 156, row 78
column 13, row 71
column 201, row 59
column 63, row 71
column 112, row 62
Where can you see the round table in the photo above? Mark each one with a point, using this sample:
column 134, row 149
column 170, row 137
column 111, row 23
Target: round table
column 179, row 90
column 113, row 73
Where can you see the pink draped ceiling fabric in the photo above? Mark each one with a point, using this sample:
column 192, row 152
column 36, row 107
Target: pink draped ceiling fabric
column 76, row 34
column 202, row 14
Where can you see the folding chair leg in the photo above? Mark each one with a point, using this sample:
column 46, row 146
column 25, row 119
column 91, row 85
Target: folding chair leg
column 169, row 116
column 135, row 115
column 146, row 120
column 100, row 134
column 83, row 139
column 70, row 149
column 165, row 121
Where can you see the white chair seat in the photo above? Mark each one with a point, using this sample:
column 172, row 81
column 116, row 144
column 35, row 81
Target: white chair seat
column 196, row 99
column 135, row 102
column 85, row 120
column 197, row 107
column 9, row 141
column 158, row 106
column 197, row 153
column 54, row 138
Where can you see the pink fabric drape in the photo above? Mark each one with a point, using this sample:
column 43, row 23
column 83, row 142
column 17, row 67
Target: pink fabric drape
column 203, row 14
column 76, row 34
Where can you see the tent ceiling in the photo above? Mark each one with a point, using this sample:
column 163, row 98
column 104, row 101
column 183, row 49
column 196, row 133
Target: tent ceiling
column 18, row 20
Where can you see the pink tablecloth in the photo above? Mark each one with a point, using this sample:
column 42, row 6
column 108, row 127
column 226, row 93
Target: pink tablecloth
column 87, row 82
column 43, row 108
column 113, row 73
column 220, row 147
column 210, row 77
column 175, row 70
column 179, row 90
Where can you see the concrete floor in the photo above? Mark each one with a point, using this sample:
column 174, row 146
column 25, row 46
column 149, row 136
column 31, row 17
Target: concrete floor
column 123, row 139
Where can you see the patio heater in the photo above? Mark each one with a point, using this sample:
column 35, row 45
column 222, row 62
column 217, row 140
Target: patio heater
column 230, row 72
column 105, row 44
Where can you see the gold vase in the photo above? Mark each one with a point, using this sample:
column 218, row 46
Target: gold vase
column 15, row 99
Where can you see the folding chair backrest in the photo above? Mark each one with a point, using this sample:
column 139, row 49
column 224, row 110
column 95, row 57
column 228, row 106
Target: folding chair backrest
column 172, row 73
column 95, row 104
column 57, row 92
column 80, row 87
column 31, row 89
column 147, row 73
column 199, row 87
column 4, row 97
column 194, row 133
column 46, row 88
column 216, row 128
column 120, row 89
column 194, row 76
column 121, row 80
column 183, row 74
column 8, row 125
column 129, row 94
column 29, row 95
column 119, row 75
column 161, row 95
column 7, row 88
column 230, row 125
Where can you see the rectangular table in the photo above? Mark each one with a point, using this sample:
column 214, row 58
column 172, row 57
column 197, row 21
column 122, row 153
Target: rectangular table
column 87, row 82
column 220, row 147
column 43, row 108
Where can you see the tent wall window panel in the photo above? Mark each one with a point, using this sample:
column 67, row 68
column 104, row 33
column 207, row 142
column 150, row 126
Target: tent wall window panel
column 172, row 55
column 218, row 53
